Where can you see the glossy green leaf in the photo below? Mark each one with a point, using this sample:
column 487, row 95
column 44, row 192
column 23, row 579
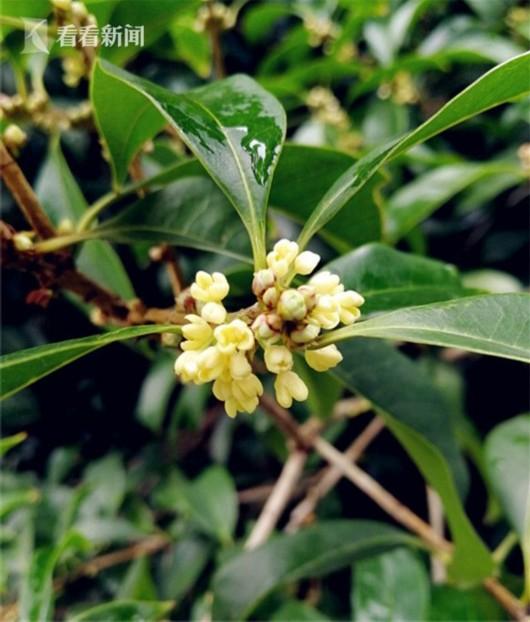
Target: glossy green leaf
column 508, row 463
column 414, row 202
column 471, row 605
column 503, row 83
column 181, row 566
column 494, row 324
column 416, row 413
column 190, row 212
column 234, row 127
column 242, row 582
column 212, row 502
column 37, row 597
column 12, row 500
column 393, row 586
column 138, row 583
column 60, row 195
column 125, row 611
column 155, row 393
column 299, row 611
column 20, row 369
column 389, row 279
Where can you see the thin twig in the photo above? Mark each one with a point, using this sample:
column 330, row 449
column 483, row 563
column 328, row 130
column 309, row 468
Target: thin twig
column 23, row 194
column 331, row 476
column 436, row 519
column 388, row 502
column 278, row 499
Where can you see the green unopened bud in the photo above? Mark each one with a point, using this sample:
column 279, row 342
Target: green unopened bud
column 270, row 297
column 263, row 280
column 291, row 305
column 14, row 137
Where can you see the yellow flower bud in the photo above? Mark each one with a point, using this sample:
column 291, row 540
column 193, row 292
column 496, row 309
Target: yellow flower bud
column 239, row 365
column 79, row 10
column 326, row 312
column 310, row 296
column 263, row 279
column 186, row 366
column 14, row 137
column 278, row 359
column 62, row 5
column 305, row 333
column 282, row 256
column 22, row 241
column 65, row 226
column 349, row 303
column 214, row 312
column 209, row 287
column 197, row 332
column 306, row 262
column 326, row 283
column 291, row 305
column 323, row 358
column 234, row 336
column 267, row 326
column 270, row 297
column 288, row 386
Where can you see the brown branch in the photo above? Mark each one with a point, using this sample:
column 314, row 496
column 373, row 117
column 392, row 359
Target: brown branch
column 23, row 194
column 436, row 519
column 278, row 499
column 331, row 475
column 387, row 501
column 91, row 568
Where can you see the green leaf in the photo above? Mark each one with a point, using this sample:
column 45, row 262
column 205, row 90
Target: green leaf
column 390, row 279
column 391, row 586
column 155, row 394
column 138, row 583
column 296, row 194
column 503, row 83
column 20, row 369
column 494, row 324
column 416, row 413
column 12, row 500
column 301, row 612
column 242, row 582
column 190, row 212
column 37, row 597
column 181, row 566
column 9, row 442
column 475, row 605
column 414, row 202
column 124, row 611
column 212, row 502
column 234, row 127
column 62, row 199
column 508, row 462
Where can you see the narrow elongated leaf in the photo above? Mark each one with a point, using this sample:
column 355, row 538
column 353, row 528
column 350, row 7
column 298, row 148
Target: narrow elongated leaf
column 20, row 369
column 190, row 212
column 508, row 463
column 419, row 199
column 503, row 83
column 125, row 611
column 391, row 586
column 494, row 324
column 234, row 127
column 416, row 413
column 62, row 199
column 37, row 598
column 247, row 578
column 390, row 279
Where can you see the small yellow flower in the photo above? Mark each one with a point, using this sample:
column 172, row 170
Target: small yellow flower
column 323, row 358
column 239, row 366
column 349, row 303
column 263, row 280
column 267, row 327
column 278, row 359
column 306, row 262
column 233, row 336
column 326, row 313
column 209, row 287
column 22, row 241
column 326, row 283
column 282, row 256
column 211, row 364
column 288, row 386
column 14, row 137
column 213, row 312
column 197, row 332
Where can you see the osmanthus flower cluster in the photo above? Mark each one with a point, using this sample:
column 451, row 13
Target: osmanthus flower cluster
column 220, row 347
